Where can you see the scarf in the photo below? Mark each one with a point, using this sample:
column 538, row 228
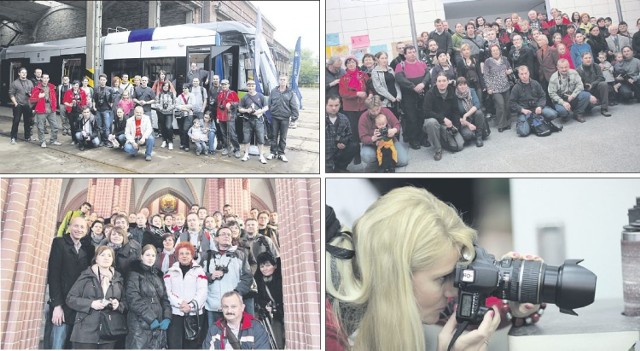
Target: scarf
column 353, row 79
column 104, row 278
column 167, row 257
column 467, row 101
column 115, row 247
column 96, row 240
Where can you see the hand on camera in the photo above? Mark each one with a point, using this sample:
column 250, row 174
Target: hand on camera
column 476, row 340
column 522, row 310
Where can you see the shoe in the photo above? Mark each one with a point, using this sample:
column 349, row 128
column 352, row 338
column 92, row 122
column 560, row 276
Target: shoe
column 186, row 149
column 579, row 118
column 613, row 103
column 283, row 158
column 605, row 113
column 33, row 138
column 164, row 144
column 147, row 158
column 424, row 142
column 245, row 157
column 271, row 156
column 237, row 154
column 262, row 160
column 225, row 152
column 500, row 130
column 81, row 147
column 438, row 155
column 170, row 146
column 479, row 142
column 73, row 143
column 488, row 116
column 197, row 152
column 414, row 145
column 13, row 141
column 57, row 143
column 181, row 147
column 293, row 125
column 46, row 131
column 43, row 144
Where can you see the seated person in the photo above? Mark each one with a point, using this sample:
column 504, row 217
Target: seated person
column 472, row 120
column 594, row 83
column 198, row 137
column 87, row 134
column 607, row 72
column 441, row 105
column 117, row 138
column 386, row 153
column 567, row 93
column 629, row 75
column 340, row 144
column 139, row 132
column 370, row 137
column 528, row 98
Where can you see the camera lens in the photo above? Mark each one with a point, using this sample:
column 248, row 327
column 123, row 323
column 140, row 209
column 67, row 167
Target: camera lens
column 568, row 286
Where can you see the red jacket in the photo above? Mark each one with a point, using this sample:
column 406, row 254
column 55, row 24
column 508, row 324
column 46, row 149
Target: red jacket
column 40, row 102
column 68, row 97
column 225, row 97
column 350, row 101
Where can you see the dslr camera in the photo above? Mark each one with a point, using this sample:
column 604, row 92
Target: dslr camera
column 223, row 269
column 568, row 286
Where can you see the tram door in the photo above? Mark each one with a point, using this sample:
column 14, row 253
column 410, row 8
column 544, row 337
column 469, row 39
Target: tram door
column 73, row 69
column 200, row 56
column 222, row 60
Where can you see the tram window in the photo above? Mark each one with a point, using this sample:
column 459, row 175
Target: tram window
column 118, row 67
column 152, row 67
column 73, row 69
column 227, row 67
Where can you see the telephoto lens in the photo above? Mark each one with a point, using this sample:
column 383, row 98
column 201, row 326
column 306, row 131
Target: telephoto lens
column 630, row 247
column 568, row 286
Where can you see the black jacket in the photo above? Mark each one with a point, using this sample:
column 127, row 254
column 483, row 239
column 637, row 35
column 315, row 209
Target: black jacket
column 275, row 288
column 86, row 290
column 126, row 255
column 65, row 266
column 591, row 74
column 283, row 105
column 104, row 95
column 153, row 236
column 148, row 301
column 439, row 108
column 525, row 56
column 527, row 96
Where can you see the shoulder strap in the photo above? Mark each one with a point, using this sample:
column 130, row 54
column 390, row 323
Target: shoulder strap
column 232, row 338
column 202, row 93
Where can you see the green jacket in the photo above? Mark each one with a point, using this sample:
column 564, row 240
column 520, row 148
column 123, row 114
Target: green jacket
column 558, row 91
column 66, row 220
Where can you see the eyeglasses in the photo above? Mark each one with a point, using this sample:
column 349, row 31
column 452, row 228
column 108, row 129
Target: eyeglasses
column 224, row 234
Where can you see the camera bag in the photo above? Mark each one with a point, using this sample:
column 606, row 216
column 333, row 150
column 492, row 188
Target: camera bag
column 450, row 139
column 113, row 325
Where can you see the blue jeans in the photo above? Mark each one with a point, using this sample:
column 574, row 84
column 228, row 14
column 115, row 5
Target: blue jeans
column 369, row 158
column 128, row 148
column 212, row 140
column 95, row 142
column 579, row 105
column 104, row 120
column 200, row 146
column 59, row 336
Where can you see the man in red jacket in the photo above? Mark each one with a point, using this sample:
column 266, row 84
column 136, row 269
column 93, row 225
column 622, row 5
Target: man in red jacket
column 44, row 96
column 227, row 105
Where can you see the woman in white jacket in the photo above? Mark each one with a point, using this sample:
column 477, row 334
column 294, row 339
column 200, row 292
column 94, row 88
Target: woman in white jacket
column 384, row 82
column 186, row 285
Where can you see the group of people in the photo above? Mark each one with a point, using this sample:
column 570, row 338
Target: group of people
column 130, row 116
column 207, row 280
column 444, row 92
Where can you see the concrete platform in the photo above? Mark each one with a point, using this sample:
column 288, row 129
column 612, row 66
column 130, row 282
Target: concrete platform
column 303, row 152
column 601, row 144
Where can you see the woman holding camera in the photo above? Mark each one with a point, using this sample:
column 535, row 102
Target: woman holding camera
column 166, row 101
column 149, row 310
column 99, row 287
column 269, row 302
column 186, row 285
column 395, row 273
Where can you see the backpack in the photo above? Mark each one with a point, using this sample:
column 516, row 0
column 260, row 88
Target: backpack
column 451, row 139
column 539, row 125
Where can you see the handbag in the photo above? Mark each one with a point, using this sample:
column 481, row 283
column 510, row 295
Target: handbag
column 113, row 325
column 192, row 325
column 451, row 139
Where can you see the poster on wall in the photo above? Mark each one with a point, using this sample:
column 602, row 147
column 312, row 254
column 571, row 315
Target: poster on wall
column 377, row 48
column 338, row 50
column 360, row 41
column 333, row 39
column 359, row 53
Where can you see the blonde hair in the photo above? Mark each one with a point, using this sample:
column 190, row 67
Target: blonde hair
column 406, row 231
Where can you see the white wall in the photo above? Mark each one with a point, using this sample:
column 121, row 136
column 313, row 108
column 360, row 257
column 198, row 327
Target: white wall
column 593, row 212
column 385, row 21
column 602, row 8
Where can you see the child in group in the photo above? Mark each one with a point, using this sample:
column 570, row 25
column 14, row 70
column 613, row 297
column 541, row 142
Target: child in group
column 209, row 129
column 198, row 136
column 565, row 54
column 386, row 153
column 118, row 138
column 607, row 72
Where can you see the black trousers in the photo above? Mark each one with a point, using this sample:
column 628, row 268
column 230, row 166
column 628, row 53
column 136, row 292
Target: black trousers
column 413, row 116
column 87, row 346
column 343, row 158
column 184, row 124
column 18, row 112
column 175, row 334
column 165, row 121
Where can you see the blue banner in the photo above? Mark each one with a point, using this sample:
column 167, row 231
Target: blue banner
column 219, row 70
column 296, row 72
